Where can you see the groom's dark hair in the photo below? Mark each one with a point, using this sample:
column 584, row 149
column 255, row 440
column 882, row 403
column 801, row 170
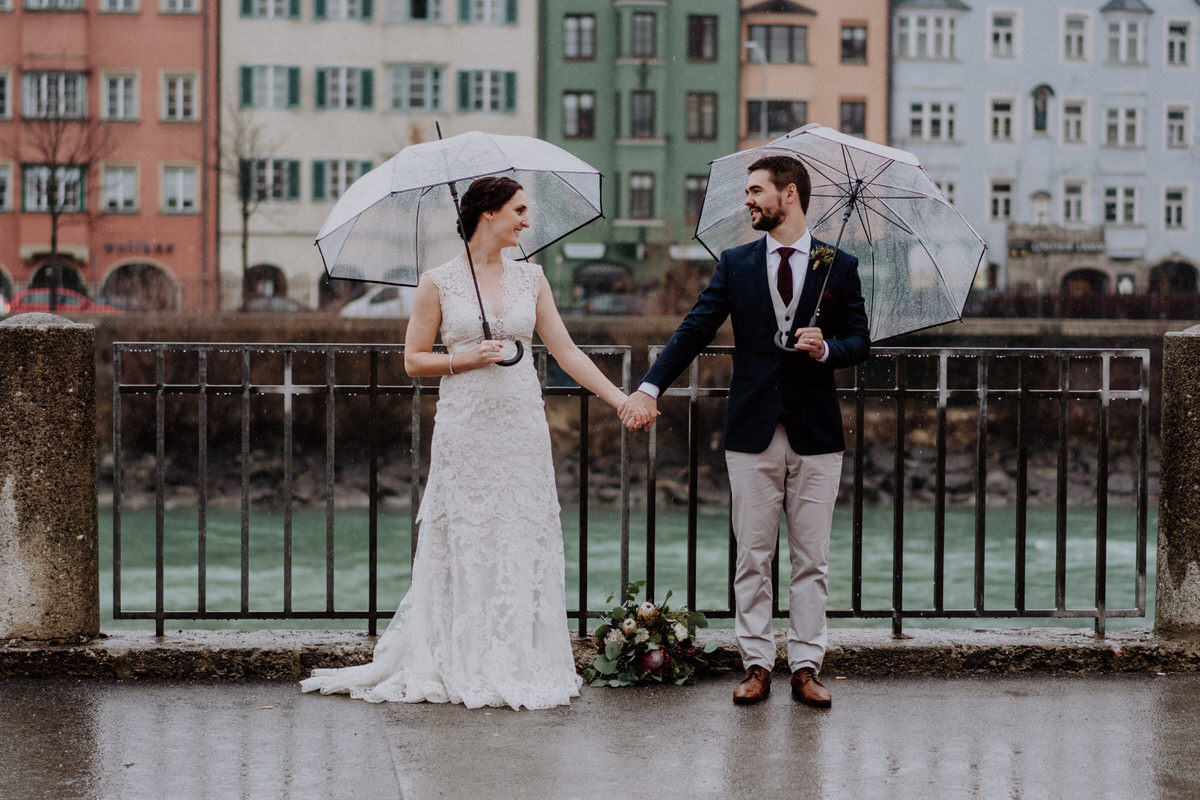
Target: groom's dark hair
column 485, row 194
column 785, row 170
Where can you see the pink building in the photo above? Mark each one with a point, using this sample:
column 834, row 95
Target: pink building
column 108, row 109
column 823, row 61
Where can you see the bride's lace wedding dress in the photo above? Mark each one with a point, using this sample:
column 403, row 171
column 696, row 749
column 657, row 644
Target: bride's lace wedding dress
column 484, row 621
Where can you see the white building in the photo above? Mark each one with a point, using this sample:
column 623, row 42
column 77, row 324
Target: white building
column 1064, row 130
column 325, row 89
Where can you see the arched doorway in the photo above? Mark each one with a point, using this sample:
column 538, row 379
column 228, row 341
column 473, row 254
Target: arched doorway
column 70, row 275
column 6, row 286
column 263, row 280
column 1080, row 282
column 1173, row 277
column 141, row 287
column 333, row 293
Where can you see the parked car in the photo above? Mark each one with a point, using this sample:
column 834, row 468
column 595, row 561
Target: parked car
column 69, row 302
column 381, row 301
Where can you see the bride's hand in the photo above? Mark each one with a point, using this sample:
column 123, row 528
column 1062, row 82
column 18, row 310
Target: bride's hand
column 489, row 351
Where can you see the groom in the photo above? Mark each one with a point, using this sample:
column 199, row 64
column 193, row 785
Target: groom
column 783, row 426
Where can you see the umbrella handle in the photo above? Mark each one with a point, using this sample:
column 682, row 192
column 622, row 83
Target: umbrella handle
column 508, row 362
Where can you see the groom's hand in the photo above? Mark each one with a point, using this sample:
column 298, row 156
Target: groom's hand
column 639, row 411
column 811, row 341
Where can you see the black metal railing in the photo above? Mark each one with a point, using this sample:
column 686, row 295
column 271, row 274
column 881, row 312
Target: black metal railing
column 926, row 427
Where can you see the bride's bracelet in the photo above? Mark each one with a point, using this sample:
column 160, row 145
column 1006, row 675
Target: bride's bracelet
column 452, row 363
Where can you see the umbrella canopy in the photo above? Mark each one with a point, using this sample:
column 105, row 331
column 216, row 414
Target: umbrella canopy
column 399, row 218
column 917, row 255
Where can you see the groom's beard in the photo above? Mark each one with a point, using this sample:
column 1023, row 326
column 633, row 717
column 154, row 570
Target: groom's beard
column 767, row 220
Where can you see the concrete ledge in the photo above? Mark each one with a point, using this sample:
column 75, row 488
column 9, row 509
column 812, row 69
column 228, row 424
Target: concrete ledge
column 290, row 655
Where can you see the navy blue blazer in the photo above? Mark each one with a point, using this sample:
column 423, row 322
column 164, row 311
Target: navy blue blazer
column 770, row 385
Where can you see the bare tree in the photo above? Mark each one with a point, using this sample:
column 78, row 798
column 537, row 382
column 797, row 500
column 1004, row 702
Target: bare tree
column 244, row 143
column 62, row 145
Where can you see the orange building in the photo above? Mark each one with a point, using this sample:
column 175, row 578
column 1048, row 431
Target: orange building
column 108, row 111
column 823, row 61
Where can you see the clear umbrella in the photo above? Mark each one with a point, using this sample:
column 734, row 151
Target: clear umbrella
column 917, row 255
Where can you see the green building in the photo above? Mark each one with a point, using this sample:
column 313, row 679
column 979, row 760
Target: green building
column 646, row 91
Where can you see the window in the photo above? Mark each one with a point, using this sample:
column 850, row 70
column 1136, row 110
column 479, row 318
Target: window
column 694, row 188
column 1075, row 37
column 641, row 195
column 644, row 25
column 1174, row 211
column 1001, row 122
column 5, row 94
column 54, row 95
column 342, row 10
column 1000, row 200
column 119, row 188
column 119, row 6
column 947, row 190
column 271, row 9
column 1126, row 41
column 54, row 5
column 414, row 88
column 67, row 189
column 1179, row 40
column 1178, row 127
column 782, row 116
column 1004, row 34
column 853, row 114
column 642, row 116
column 345, row 88
column 179, row 190
column 579, row 115
column 1041, row 109
column 179, row 102
column 271, row 178
column 414, row 11
column 1074, row 192
column 5, row 187
column 1072, row 119
column 931, row 122
column 854, row 44
column 487, row 12
column 701, row 116
column 487, row 90
column 120, row 97
column 702, row 38
column 928, row 36
column 331, row 177
column 1121, row 205
column 180, row 6
column 579, row 37
column 782, row 44
column 1123, row 127
column 270, row 86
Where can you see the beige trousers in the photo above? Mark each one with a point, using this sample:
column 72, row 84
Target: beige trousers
column 803, row 489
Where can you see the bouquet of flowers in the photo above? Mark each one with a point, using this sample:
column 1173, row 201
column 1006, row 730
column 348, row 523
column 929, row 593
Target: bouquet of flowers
column 642, row 643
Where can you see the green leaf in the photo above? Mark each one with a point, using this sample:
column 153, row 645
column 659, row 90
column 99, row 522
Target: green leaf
column 612, row 650
column 598, row 682
column 709, row 647
column 604, row 665
column 698, row 619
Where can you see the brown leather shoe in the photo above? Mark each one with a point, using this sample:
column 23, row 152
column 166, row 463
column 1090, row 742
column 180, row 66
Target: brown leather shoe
column 808, row 689
column 754, row 687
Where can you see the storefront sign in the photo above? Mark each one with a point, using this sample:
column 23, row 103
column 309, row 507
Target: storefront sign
column 1054, row 247
column 143, row 247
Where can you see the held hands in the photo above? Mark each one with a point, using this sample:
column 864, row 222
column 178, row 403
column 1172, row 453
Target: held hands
column 639, row 411
column 811, row 341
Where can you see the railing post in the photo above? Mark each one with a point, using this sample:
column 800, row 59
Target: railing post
column 1177, row 589
column 49, row 556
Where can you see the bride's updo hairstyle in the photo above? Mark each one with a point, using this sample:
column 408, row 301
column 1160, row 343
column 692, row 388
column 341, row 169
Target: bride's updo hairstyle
column 485, row 194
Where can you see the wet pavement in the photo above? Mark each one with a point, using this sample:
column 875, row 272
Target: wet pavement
column 1013, row 736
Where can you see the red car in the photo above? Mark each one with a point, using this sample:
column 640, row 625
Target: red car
column 69, row 302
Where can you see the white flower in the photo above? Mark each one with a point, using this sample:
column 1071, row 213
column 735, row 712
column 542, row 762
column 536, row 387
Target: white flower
column 643, row 635
column 614, row 635
column 681, row 631
column 628, row 626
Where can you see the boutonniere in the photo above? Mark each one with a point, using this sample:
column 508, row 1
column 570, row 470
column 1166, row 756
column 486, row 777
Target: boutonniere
column 822, row 256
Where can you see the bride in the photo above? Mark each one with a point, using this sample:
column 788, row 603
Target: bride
column 484, row 620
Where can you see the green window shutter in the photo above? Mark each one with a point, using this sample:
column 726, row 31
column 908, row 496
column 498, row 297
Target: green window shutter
column 293, row 9
column 464, row 11
column 318, row 180
column 366, row 9
column 293, row 176
column 321, row 80
column 293, row 87
column 247, row 8
column 510, row 91
column 510, row 12
column 363, row 168
column 245, row 179
column 247, row 87
column 368, row 88
column 464, row 90
column 319, row 9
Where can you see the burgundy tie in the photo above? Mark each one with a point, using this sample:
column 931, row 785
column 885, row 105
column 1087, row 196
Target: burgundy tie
column 783, row 281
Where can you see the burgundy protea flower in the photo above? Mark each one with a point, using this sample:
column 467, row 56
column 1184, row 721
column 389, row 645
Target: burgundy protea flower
column 653, row 660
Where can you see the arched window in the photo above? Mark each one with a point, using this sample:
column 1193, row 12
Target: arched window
column 141, row 287
column 1041, row 108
